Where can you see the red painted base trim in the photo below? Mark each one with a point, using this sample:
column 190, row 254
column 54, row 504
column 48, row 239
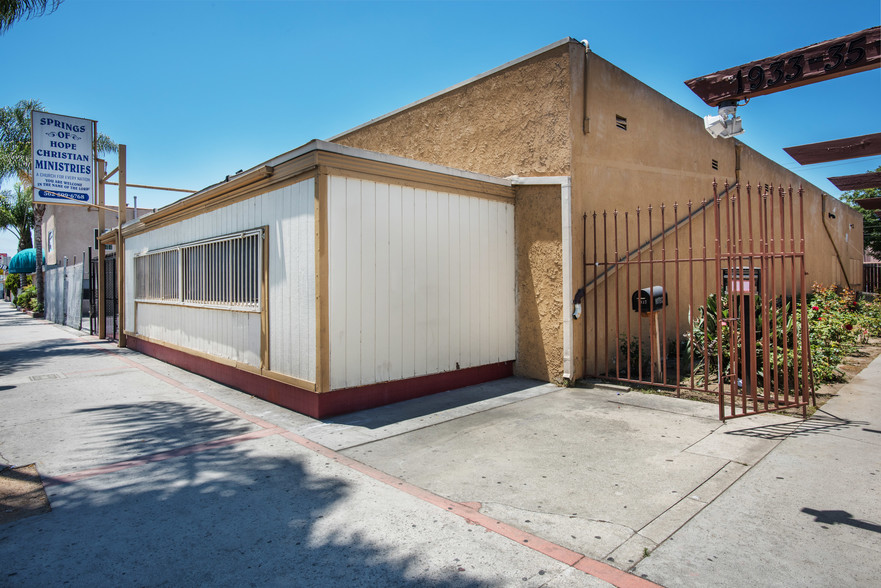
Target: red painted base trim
column 331, row 403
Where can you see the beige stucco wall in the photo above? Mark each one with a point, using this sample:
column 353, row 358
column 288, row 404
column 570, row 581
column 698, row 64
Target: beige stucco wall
column 513, row 122
column 557, row 114
column 823, row 233
column 666, row 156
column 539, row 274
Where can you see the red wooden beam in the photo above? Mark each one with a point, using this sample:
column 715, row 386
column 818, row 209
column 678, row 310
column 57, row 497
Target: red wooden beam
column 869, row 203
column 863, row 146
column 858, row 181
column 852, row 53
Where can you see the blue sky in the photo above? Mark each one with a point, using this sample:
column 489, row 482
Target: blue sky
column 200, row 89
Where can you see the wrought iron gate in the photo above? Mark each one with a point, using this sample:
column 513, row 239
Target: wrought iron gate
column 111, row 301
column 709, row 299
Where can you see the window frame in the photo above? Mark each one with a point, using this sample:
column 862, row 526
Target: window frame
column 229, row 289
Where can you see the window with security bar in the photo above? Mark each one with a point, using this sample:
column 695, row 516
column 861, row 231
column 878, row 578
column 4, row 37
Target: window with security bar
column 221, row 273
column 157, row 276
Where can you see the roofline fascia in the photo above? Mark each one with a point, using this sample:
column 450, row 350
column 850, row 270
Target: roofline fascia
column 265, row 170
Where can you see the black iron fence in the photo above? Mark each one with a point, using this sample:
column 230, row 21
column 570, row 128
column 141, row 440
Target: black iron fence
column 111, row 301
column 872, row 277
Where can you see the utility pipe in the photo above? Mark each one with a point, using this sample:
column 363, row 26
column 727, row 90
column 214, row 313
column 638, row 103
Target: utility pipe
column 823, row 198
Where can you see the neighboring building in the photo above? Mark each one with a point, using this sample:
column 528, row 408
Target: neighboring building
column 69, row 230
column 439, row 245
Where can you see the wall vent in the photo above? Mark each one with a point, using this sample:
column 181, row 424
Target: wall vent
column 715, row 164
column 621, row 122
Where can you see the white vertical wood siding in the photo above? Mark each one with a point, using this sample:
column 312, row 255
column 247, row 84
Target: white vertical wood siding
column 290, row 214
column 421, row 282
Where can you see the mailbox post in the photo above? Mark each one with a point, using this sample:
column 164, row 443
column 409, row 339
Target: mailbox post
column 648, row 302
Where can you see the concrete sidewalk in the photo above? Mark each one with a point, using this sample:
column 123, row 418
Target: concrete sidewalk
column 157, row 476
column 808, row 515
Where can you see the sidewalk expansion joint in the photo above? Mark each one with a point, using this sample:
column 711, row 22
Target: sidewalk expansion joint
column 434, row 424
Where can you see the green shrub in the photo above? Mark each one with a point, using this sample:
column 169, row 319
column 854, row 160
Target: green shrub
column 24, row 298
column 837, row 322
column 13, row 282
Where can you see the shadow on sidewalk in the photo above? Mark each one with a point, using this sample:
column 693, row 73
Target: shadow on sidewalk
column 14, row 358
column 229, row 516
column 822, row 422
column 840, row 517
column 383, row 416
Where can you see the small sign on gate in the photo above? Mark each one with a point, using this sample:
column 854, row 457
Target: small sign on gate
column 742, row 280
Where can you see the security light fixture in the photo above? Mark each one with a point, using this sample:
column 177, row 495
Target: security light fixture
column 726, row 124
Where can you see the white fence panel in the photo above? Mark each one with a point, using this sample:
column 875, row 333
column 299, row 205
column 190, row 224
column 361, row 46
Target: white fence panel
column 63, row 295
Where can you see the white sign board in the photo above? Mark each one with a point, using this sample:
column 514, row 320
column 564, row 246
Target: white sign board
column 63, row 158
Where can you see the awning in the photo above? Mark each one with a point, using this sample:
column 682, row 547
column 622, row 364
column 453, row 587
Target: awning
column 24, row 262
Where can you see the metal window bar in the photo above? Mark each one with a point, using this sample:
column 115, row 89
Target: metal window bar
column 221, row 272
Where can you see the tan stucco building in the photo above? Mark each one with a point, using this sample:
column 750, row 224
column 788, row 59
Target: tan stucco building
column 69, row 230
column 565, row 111
column 442, row 244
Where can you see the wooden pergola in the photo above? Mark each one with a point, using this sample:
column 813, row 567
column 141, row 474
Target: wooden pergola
column 854, row 53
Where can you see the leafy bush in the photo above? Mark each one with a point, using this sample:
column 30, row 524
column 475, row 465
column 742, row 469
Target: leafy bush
column 13, row 282
column 837, row 322
column 634, row 351
column 24, row 298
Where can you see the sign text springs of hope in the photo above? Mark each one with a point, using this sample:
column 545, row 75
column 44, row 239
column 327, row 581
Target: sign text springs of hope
column 66, row 132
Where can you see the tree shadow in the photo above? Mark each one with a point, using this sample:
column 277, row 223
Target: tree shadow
column 255, row 513
column 27, row 355
column 152, row 427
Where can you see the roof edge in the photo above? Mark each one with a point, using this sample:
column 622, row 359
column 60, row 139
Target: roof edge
column 486, row 74
column 265, row 169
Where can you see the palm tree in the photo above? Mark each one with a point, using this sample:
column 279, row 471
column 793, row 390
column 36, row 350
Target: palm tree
column 17, row 217
column 13, row 10
column 15, row 160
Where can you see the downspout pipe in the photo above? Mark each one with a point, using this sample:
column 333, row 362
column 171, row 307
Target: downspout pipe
column 565, row 183
column 831, row 240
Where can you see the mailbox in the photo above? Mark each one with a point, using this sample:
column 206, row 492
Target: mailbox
column 649, row 299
